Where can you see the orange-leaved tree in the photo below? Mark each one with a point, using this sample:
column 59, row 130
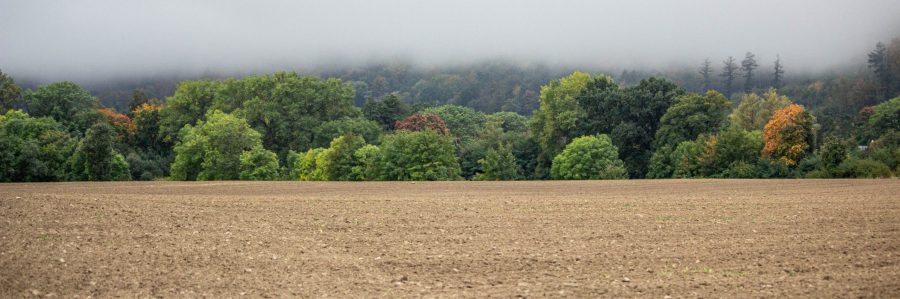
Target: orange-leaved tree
column 125, row 128
column 788, row 135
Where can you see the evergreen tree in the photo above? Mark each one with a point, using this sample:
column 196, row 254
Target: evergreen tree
column 499, row 165
column 878, row 62
column 778, row 75
column 706, row 71
column 728, row 75
column 747, row 66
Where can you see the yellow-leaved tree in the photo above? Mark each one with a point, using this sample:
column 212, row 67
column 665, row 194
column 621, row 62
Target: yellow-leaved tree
column 789, row 135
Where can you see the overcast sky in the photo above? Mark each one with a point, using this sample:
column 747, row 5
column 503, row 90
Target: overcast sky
column 80, row 39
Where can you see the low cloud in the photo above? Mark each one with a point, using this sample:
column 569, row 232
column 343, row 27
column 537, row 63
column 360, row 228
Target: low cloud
column 94, row 40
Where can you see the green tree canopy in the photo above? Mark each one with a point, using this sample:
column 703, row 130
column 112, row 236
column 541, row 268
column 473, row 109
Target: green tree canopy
column 589, row 158
column 336, row 163
column 735, row 146
column 387, row 110
column 369, row 161
column 690, row 116
column 212, row 149
column 96, row 159
column 557, row 120
column 509, row 121
column 499, row 165
column 367, row 129
column 33, row 149
column 418, row 156
column 66, row 103
column 285, row 108
column 755, row 111
column 463, row 122
column 886, row 118
column 190, row 103
column 438, row 89
column 629, row 115
column 9, row 92
column 307, row 167
column 259, row 164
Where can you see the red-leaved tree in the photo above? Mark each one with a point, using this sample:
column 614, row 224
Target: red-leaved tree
column 421, row 122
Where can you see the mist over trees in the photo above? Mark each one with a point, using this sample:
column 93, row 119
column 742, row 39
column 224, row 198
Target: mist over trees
column 490, row 121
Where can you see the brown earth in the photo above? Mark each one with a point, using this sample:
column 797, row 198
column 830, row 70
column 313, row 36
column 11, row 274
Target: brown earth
column 678, row 238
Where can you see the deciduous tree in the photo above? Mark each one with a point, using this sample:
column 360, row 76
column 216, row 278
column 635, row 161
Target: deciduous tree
column 387, row 110
column 629, row 115
column 336, row 163
column 755, row 111
column 463, row 122
column 66, row 103
column 589, row 158
column 96, row 159
column 33, row 149
column 421, row 122
column 789, row 135
column 259, row 164
column 559, row 116
column 9, row 92
column 418, row 156
column 212, row 149
column 690, row 116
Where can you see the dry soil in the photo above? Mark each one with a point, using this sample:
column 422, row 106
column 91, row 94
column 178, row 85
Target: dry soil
column 678, row 238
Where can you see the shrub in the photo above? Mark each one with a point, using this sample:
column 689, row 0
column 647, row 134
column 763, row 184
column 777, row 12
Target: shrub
column 769, row 168
column 336, row 162
column 369, row 163
column 740, row 170
column 862, row 168
column 588, row 157
column 259, row 164
column 810, row 163
column 888, row 156
column 818, row 174
column 291, row 169
column 832, row 152
column 686, row 159
column 306, row 167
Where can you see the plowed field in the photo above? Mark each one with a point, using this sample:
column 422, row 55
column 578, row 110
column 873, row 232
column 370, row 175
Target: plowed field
column 678, row 238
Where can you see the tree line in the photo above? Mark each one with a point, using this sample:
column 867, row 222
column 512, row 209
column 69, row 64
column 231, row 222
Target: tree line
column 285, row 126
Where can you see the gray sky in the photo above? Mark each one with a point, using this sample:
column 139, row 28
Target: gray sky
column 81, row 39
